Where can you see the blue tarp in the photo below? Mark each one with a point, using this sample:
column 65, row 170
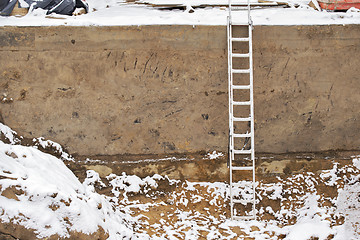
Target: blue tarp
column 66, row 7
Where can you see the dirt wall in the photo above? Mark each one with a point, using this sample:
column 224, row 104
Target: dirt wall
column 163, row 89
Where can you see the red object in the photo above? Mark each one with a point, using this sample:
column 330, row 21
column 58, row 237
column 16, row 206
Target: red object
column 339, row 4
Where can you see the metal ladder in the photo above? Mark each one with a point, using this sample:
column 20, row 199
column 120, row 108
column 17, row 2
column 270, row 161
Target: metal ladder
column 235, row 152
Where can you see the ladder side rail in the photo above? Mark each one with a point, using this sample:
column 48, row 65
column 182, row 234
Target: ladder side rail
column 248, row 11
column 229, row 78
column 230, row 92
column 230, row 6
column 252, row 127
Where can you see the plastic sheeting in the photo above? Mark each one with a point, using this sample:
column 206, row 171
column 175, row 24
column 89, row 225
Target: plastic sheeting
column 66, row 7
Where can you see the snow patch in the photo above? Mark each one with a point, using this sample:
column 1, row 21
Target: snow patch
column 9, row 134
column 356, row 163
column 215, row 155
column 50, row 144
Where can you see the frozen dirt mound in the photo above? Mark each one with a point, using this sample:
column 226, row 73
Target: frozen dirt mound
column 39, row 192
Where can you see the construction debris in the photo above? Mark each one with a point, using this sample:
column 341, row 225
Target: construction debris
column 21, row 7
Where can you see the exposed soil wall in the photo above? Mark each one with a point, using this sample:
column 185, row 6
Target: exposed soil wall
column 306, row 89
column 163, row 89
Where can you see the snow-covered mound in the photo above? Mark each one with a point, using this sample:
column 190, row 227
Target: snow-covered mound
column 49, row 198
column 120, row 12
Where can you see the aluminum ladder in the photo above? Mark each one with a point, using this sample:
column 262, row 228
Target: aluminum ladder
column 246, row 138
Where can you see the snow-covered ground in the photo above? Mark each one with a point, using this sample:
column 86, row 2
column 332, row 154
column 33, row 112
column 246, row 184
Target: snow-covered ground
column 119, row 12
column 39, row 192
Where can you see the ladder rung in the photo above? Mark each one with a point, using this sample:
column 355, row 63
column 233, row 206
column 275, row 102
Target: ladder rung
column 243, row 217
column 239, row 23
column 239, row 7
column 238, row 201
column 241, row 103
column 243, row 168
column 236, row 119
column 241, row 70
column 241, row 55
column 247, row 185
column 246, row 39
column 242, row 152
column 244, row 135
column 241, row 87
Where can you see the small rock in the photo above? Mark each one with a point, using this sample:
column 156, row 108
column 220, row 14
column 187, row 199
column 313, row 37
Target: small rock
column 254, row 228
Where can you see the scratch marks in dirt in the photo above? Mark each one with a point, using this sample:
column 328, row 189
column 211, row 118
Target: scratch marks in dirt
column 147, row 61
column 282, row 72
column 173, row 112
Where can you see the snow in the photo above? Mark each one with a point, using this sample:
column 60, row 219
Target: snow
column 311, row 221
column 48, row 143
column 120, row 13
column 356, row 162
column 50, row 199
column 131, row 184
column 215, row 155
column 304, row 231
column 8, row 133
column 39, row 176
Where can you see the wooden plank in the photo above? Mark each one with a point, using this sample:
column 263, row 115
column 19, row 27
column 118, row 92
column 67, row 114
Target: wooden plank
column 203, row 5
